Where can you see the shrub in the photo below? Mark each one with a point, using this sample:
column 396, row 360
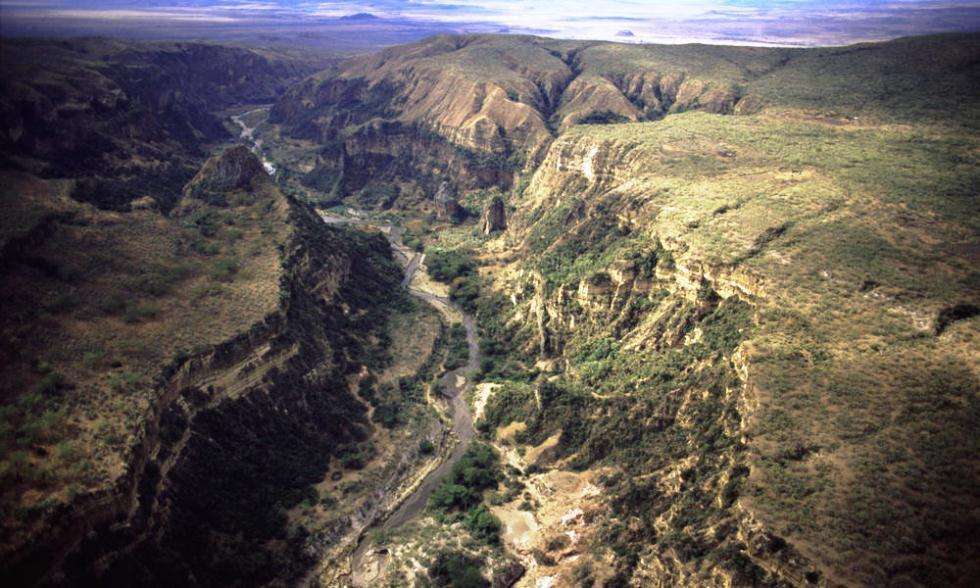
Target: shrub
column 124, row 381
column 474, row 472
column 459, row 351
column 457, row 570
column 483, row 525
column 448, row 265
column 112, row 304
column 37, row 429
column 206, row 222
column 355, row 457
column 603, row 117
column 65, row 451
column 205, row 248
column 449, row 497
column 139, row 312
column 49, row 384
column 64, row 302
column 91, row 359
column 426, row 447
column 386, row 414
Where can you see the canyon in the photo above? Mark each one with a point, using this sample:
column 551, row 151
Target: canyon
column 490, row 310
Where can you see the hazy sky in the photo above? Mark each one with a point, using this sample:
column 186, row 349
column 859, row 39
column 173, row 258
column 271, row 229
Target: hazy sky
column 790, row 22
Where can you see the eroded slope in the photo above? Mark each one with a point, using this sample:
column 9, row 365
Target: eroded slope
column 746, row 319
column 131, row 119
column 479, row 111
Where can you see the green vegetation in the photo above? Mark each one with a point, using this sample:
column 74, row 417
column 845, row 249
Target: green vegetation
column 482, row 524
column 135, row 313
column 449, row 265
column 460, row 494
column 475, row 472
column 457, row 268
column 356, row 456
column 224, row 269
column 458, row 352
column 452, row 569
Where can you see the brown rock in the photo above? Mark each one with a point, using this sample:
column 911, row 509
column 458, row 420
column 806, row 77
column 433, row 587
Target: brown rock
column 494, row 217
column 447, row 208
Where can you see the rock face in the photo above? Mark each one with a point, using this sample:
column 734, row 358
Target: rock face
column 479, row 108
column 447, row 208
column 494, row 217
column 238, row 430
column 692, row 288
column 235, row 168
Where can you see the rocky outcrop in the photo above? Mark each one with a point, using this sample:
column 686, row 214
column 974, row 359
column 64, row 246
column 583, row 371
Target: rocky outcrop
column 680, row 314
column 447, row 207
column 235, row 168
column 483, row 108
column 494, row 216
column 483, row 120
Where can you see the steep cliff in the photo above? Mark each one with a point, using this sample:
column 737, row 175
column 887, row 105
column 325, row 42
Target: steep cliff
column 719, row 335
column 129, row 119
column 737, row 330
column 227, row 420
column 481, row 110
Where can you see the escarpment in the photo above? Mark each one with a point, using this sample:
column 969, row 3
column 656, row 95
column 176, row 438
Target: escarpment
column 252, row 424
column 220, row 440
column 129, row 120
column 726, row 303
column 481, row 110
column 663, row 279
column 478, row 109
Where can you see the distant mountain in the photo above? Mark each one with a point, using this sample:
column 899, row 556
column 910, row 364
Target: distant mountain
column 359, row 17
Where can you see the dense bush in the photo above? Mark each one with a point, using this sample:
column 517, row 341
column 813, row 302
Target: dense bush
column 446, row 265
column 139, row 312
column 224, row 269
column 603, row 117
column 456, row 570
column 482, row 524
column 475, row 472
column 458, row 350
column 457, row 268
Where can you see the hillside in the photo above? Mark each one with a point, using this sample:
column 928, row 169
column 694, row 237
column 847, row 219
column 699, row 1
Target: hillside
column 730, row 321
column 759, row 337
column 481, row 109
column 150, row 363
column 127, row 119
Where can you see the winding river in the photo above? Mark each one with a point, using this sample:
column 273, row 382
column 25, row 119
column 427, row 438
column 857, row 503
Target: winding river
column 453, row 384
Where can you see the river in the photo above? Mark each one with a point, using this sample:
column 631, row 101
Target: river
column 453, row 384
column 248, row 136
